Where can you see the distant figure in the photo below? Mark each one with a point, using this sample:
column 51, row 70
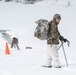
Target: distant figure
column 15, row 43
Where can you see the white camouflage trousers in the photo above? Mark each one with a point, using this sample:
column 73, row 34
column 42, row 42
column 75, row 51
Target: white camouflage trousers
column 52, row 56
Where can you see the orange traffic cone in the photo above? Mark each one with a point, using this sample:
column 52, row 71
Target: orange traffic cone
column 7, row 49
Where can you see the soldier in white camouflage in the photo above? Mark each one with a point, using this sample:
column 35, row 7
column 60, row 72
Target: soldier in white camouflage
column 52, row 44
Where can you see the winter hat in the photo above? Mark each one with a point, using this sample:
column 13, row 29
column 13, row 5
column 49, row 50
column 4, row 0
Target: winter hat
column 57, row 16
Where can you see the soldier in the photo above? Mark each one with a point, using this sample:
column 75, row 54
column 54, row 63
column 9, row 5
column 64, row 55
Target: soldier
column 52, row 44
column 15, row 43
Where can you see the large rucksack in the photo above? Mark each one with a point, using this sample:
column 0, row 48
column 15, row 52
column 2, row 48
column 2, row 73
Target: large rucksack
column 42, row 30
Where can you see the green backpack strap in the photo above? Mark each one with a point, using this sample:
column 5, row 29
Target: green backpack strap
column 49, row 34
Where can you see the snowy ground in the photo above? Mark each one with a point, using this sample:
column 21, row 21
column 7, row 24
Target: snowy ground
column 20, row 19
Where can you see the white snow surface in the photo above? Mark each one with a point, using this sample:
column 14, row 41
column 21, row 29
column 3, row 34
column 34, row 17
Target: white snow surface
column 20, row 19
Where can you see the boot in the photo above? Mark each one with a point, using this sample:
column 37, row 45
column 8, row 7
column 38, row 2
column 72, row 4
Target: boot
column 58, row 67
column 47, row 66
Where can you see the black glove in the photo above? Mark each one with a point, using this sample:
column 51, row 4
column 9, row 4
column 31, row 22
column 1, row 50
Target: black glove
column 65, row 40
column 61, row 38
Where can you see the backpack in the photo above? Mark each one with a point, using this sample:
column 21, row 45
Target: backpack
column 42, row 30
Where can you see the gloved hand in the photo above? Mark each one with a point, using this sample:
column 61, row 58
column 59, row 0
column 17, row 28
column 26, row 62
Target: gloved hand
column 61, row 38
column 65, row 40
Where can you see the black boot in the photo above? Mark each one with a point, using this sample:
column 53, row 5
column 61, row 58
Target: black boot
column 58, row 67
column 47, row 66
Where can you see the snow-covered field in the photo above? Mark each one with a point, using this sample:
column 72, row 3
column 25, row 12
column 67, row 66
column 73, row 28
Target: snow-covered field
column 20, row 19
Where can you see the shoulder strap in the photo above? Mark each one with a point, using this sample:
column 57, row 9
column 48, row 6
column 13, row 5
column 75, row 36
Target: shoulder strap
column 49, row 25
column 49, row 34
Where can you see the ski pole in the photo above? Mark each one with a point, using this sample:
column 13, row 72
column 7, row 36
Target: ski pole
column 64, row 54
column 60, row 46
column 68, row 43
